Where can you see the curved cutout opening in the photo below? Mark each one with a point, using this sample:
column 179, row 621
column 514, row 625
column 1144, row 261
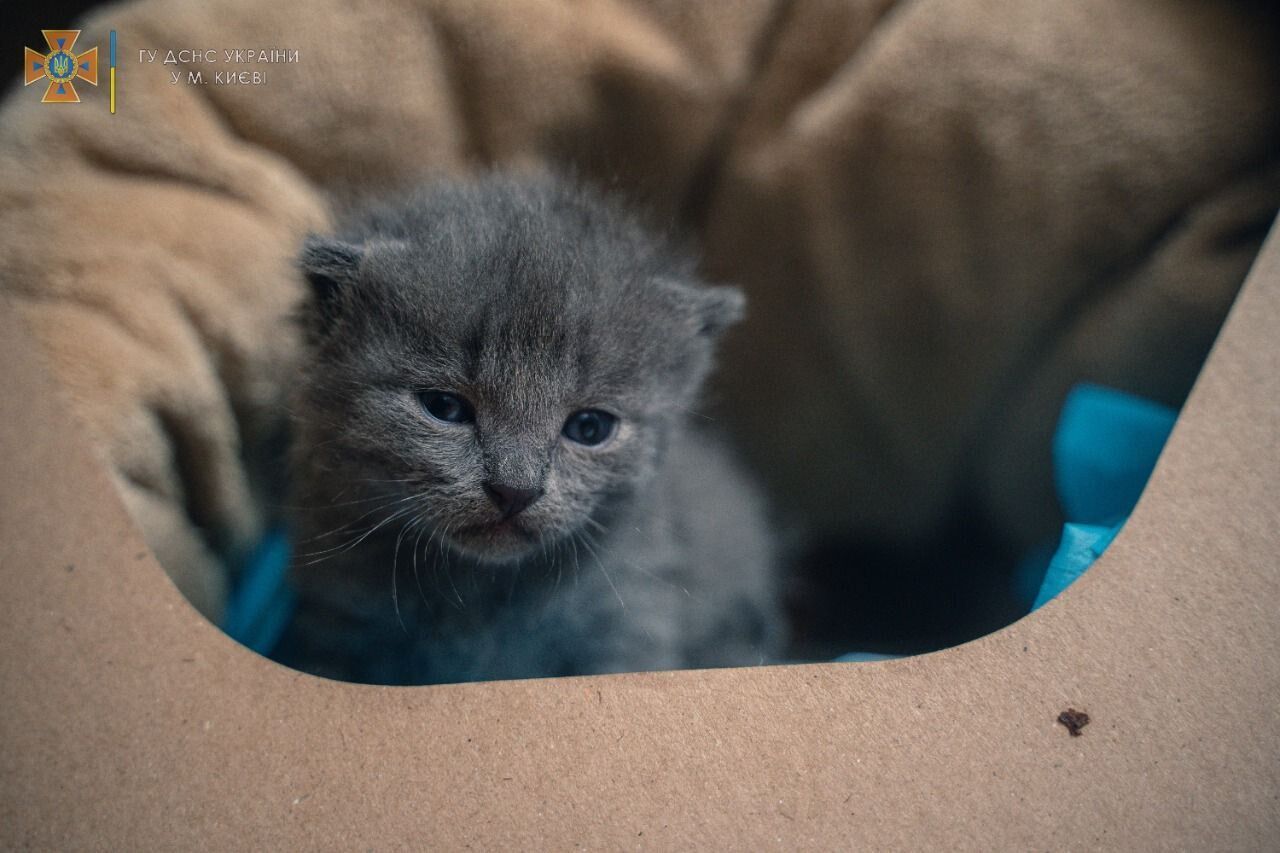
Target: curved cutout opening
column 1106, row 445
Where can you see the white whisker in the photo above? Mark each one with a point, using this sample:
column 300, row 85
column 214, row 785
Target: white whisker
column 605, row 572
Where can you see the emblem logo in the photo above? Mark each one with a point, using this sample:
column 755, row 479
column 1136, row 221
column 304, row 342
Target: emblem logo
column 60, row 66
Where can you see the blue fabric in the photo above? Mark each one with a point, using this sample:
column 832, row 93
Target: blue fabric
column 1081, row 545
column 262, row 603
column 1104, row 450
column 864, row 657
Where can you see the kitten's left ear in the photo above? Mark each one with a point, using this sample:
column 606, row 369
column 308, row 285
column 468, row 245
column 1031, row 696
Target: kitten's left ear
column 714, row 307
column 332, row 269
column 330, row 266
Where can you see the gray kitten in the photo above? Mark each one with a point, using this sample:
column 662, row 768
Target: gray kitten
column 494, row 468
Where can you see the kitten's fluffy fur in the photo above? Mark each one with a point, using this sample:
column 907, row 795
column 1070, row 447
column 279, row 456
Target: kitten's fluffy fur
column 531, row 299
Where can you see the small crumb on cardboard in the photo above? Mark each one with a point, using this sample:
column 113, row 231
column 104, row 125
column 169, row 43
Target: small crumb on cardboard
column 1074, row 720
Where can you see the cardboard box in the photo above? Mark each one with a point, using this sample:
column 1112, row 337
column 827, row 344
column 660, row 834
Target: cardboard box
column 130, row 722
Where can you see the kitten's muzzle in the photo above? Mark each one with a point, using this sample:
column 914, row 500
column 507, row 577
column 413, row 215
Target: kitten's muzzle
column 511, row 500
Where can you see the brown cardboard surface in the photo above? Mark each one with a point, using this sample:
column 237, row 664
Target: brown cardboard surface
column 128, row 722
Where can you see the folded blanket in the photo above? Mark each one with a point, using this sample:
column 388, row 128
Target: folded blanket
column 945, row 214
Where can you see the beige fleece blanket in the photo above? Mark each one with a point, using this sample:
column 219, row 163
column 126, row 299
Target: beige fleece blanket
column 945, row 212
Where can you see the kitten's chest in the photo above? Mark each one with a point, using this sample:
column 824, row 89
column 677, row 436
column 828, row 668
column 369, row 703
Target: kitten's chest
column 430, row 616
column 445, row 620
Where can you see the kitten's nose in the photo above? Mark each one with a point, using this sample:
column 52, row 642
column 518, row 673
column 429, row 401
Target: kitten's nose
column 510, row 500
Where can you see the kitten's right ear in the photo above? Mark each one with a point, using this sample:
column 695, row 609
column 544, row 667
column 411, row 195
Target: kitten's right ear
column 712, row 308
column 331, row 267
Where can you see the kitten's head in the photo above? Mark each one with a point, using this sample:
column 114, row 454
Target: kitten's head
column 503, row 358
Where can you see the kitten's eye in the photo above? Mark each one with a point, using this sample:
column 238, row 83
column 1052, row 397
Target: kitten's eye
column 446, row 407
column 589, row 427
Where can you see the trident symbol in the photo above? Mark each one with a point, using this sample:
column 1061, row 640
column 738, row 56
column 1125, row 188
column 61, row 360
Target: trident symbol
column 60, row 66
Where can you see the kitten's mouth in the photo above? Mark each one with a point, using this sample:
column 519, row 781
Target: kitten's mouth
column 500, row 540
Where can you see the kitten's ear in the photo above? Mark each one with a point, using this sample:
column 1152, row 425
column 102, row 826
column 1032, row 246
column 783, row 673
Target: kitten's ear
column 331, row 267
column 713, row 308
column 722, row 306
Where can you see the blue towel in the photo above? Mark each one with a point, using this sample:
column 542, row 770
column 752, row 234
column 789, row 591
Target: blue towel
column 261, row 603
column 1104, row 450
